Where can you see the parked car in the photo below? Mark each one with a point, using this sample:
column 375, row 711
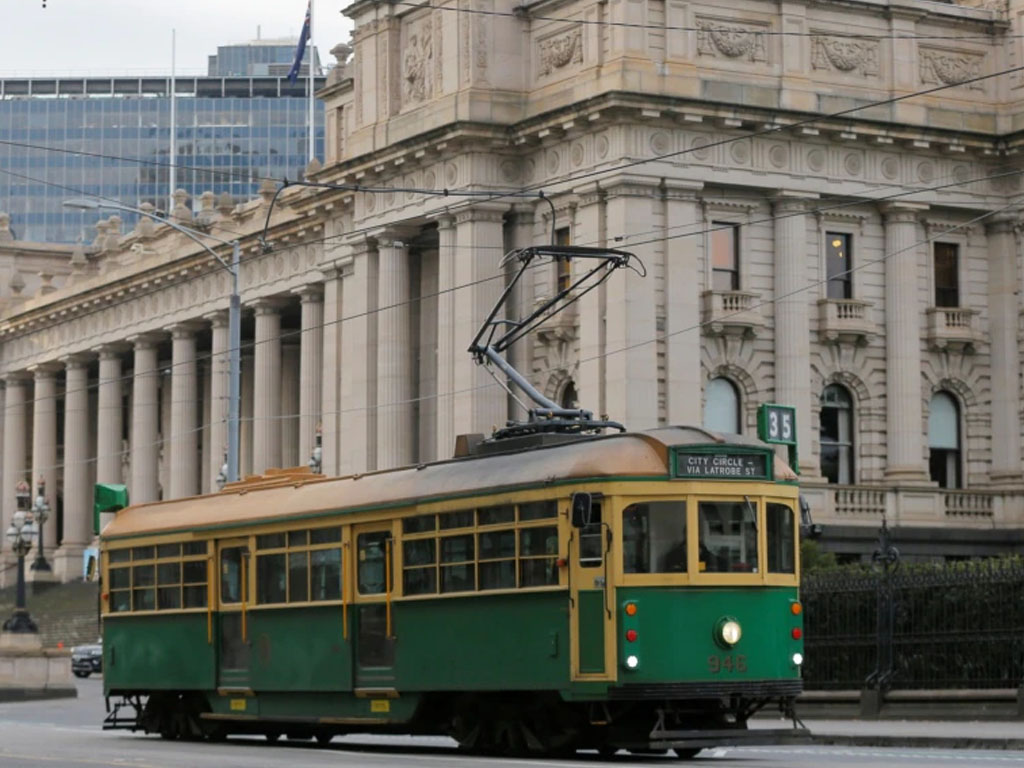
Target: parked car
column 86, row 659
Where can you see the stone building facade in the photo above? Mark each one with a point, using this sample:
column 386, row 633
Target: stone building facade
column 814, row 232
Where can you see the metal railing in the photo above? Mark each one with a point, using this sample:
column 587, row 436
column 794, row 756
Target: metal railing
column 920, row 626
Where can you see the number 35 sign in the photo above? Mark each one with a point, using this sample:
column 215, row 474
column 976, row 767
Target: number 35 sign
column 777, row 424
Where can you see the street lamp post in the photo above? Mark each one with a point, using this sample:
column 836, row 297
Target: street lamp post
column 234, row 314
column 20, row 534
column 40, row 514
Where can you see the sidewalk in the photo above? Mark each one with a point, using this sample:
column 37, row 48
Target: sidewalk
column 946, row 734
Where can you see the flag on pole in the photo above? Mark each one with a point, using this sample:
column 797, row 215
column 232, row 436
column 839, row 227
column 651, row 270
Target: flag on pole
column 293, row 73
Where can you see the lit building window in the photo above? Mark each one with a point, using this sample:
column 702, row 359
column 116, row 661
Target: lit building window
column 722, row 406
column 839, row 263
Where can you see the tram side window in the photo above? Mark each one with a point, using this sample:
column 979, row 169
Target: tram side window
column 591, row 536
column 654, row 537
column 781, row 539
column 299, row 566
column 372, row 554
column 164, row 577
column 728, row 536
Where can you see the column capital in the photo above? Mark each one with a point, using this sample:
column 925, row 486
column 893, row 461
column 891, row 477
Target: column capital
column 627, row 185
column 266, row 305
column 217, row 318
column 17, row 378
column 444, row 219
column 683, row 190
column 397, row 236
column 1004, row 222
column 902, row 212
column 785, row 201
column 45, row 370
column 185, row 329
column 109, row 351
column 486, row 212
column 312, row 293
column 144, row 340
column 76, row 361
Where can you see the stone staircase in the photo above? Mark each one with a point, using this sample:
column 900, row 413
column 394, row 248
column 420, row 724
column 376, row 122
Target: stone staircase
column 64, row 613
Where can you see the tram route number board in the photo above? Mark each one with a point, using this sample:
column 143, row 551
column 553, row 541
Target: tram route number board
column 725, row 465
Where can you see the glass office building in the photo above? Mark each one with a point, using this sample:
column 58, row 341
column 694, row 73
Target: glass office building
column 111, row 137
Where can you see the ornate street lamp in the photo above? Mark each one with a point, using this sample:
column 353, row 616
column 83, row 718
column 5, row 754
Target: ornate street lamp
column 40, row 514
column 222, row 476
column 20, row 534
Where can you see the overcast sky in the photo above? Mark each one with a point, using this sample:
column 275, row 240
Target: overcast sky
column 133, row 37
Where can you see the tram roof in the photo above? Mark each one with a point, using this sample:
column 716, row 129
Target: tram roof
column 298, row 493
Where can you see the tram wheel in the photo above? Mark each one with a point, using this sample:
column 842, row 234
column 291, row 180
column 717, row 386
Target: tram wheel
column 323, row 739
column 272, row 736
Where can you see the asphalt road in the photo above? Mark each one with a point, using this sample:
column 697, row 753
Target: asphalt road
column 66, row 733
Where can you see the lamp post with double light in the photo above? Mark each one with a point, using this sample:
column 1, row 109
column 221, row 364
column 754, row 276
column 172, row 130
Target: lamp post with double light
column 19, row 535
column 234, row 312
column 40, row 514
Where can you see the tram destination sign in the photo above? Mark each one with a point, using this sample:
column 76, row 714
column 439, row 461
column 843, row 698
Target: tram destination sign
column 722, row 465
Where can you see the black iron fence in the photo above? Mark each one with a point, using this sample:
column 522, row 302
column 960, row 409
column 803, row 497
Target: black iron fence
column 915, row 626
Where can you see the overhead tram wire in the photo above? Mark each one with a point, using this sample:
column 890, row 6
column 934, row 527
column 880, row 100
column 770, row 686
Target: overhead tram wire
column 524, row 14
column 501, row 275
column 1018, row 200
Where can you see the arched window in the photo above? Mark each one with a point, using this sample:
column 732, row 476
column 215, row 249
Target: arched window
column 569, row 397
column 944, row 440
column 722, row 406
column 835, row 429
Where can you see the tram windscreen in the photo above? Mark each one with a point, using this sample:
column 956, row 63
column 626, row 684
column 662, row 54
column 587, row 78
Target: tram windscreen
column 781, row 534
column 728, row 536
column 654, row 537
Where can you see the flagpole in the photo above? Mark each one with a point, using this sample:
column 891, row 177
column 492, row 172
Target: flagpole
column 312, row 146
column 174, row 135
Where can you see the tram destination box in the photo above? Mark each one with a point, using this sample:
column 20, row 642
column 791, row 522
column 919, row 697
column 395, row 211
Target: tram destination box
column 708, row 463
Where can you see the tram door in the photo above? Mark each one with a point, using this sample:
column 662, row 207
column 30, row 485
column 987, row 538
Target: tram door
column 233, row 599
column 591, row 597
column 374, row 585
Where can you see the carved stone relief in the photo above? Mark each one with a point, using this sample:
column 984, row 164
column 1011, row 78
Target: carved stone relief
column 733, row 41
column 559, row 51
column 939, row 67
column 417, row 61
column 845, row 55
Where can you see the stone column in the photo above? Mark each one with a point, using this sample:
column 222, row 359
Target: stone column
column 590, row 384
column 683, row 254
column 145, row 435
column 631, row 358
column 184, row 437
column 77, row 493
column 1005, row 352
column 15, row 469
column 291, row 363
column 480, row 404
column 904, row 421
column 108, row 435
column 44, row 445
column 792, row 329
column 447, row 349
column 220, row 369
column 394, row 356
column 266, row 428
column 330, row 398
column 311, row 356
column 358, row 401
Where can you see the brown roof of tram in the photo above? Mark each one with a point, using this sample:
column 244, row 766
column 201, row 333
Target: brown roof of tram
column 284, row 493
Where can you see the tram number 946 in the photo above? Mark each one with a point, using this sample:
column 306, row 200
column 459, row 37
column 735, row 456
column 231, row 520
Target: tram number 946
column 727, row 663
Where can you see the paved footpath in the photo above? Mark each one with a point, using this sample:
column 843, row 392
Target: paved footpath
column 950, row 734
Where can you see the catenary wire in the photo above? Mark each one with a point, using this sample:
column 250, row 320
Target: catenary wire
column 296, row 332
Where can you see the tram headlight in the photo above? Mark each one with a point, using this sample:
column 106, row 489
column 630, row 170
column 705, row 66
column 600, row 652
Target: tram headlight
column 729, row 632
column 632, row 662
column 798, row 659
